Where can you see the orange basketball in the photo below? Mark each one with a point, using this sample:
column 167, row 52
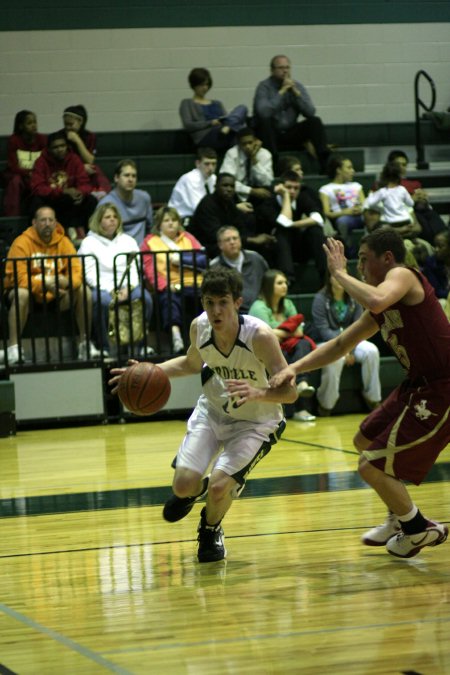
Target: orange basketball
column 144, row 388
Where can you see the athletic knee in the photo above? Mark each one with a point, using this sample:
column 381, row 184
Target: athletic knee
column 218, row 488
column 366, row 470
column 186, row 484
column 360, row 442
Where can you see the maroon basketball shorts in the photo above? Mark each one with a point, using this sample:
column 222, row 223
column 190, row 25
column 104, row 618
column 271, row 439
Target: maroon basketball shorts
column 409, row 430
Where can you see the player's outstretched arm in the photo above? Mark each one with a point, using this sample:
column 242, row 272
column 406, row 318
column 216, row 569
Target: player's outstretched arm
column 330, row 351
column 398, row 283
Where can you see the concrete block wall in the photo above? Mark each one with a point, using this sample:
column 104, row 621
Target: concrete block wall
column 134, row 79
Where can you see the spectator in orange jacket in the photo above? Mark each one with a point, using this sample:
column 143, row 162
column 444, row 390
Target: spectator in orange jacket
column 49, row 278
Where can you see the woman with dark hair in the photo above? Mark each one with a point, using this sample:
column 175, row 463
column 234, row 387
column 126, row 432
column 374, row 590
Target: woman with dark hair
column 24, row 147
column 280, row 313
column 84, row 142
column 206, row 119
column 332, row 311
column 175, row 271
column 342, row 198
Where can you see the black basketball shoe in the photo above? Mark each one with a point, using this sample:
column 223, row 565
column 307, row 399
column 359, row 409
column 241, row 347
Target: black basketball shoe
column 211, row 547
column 177, row 508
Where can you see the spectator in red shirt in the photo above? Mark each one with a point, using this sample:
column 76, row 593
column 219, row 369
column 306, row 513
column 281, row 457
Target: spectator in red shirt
column 24, row 147
column 59, row 180
column 83, row 143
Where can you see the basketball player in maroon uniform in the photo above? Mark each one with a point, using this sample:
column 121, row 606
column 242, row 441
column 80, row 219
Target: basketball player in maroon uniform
column 402, row 438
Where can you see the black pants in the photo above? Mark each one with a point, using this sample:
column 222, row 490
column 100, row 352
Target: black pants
column 67, row 212
column 299, row 245
column 310, row 129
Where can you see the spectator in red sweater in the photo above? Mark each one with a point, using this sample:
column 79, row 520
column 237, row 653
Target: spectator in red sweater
column 59, row 180
column 24, row 147
column 83, row 143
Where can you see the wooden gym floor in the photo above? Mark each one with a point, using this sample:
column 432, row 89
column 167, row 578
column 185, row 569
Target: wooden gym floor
column 93, row 580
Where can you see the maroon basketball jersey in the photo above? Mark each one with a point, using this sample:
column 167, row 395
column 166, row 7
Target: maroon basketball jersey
column 419, row 335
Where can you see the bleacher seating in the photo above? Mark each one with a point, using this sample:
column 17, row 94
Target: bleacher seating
column 163, row 155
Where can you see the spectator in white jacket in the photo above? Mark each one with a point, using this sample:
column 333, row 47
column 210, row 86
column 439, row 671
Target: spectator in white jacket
column 105, row 240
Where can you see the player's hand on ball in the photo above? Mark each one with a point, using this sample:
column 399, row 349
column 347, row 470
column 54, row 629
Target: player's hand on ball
column 116, row 373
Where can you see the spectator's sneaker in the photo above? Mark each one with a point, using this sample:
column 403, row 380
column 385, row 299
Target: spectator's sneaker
column 303, row 416
column 177, row 508
column 305, row 390
column 145, row 351
column 86, row 352
column 211, row 547
column 380, row 535
column 15, row 355
column 372, row 405
column 178, row 345
column 408, row 545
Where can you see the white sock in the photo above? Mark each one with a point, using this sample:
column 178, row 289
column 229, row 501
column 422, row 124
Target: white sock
column 410, row 515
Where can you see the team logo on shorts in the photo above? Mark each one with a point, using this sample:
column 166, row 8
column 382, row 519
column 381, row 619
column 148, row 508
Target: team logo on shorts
column 422, row 411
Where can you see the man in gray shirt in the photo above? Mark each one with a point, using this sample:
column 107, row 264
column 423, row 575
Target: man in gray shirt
column 279, row 100
column 135, row 206
column 250, row 264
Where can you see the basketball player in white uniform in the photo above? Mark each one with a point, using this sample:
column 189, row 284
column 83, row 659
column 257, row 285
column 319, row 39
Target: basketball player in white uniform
column 237, row 418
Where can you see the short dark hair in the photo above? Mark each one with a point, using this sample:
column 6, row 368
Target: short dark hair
column 291, row 176
column 56, row 136
column 278, row 56
column 199, row 76
column 223, row 175
column 224, row 228
column 395, row 154
column 124, row 162
column 245, row 131
column 206, row 153
column 220, row 281
column 384, row 239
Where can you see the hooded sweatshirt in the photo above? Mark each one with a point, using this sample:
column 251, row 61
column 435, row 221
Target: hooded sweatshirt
column 30, row 245
column 50, row 177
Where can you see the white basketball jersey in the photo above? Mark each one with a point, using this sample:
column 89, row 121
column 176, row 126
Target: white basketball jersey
column 240, row 363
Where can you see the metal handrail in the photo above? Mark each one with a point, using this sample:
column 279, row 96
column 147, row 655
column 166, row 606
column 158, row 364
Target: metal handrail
column 418, row 104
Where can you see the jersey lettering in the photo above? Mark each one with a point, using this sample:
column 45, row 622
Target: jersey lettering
column 393, row 320
column 235, row 373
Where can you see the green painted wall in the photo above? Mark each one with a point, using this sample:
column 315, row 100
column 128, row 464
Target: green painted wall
column 83, row 14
